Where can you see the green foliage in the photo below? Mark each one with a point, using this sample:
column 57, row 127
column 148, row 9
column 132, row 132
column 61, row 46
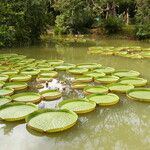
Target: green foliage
column 113, row 24
column 143, row 19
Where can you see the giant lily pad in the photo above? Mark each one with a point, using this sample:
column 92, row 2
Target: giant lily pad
column 134, row 81
column 1, row 84
column 89, row 65
column 78, row 105
column 78, row 70
column 10, row 72
column 49, row 74
column 104, row 99
column 21, row 77
column 106, row 70
column 95, row 90
column 51, row 120
column 4, row 77
column 84, row 79
column 27, row 97
column 120, row 88
column 5, row 100
column 95, row 74
column 55, row 62
column 30, row 71
column 42, row 79
column 16, row 111
column 130, row 73
column 51, row 94
column 65, row 66
column 107, row 79
column 6, row 91
column 139, row 94
column 79, row 85
column 16, row 85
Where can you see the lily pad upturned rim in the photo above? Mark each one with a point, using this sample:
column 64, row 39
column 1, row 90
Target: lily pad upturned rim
column 136, row 98
column 101, row 86
column 41, row 111
column 126, row 71
column 112, row 70
column 65, row 66
column 82, row 79
column 78, row 71
column 91, row 65
column 11, row 91
column 100, row 79
column 115, row 101
column 5, row 76
column 119, row 91
column 60, row 105
column 23, row 86
column 79, row 85
column 89, row 74
column 37, row 100
column 1, row 84
column 43, row 79
column 135, row 78
column 16, row 104
column 49, row 74
column 7, row 99
column 59, row 95
column 23, row 78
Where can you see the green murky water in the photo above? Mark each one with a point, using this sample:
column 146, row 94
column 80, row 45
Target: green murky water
column 125, row 126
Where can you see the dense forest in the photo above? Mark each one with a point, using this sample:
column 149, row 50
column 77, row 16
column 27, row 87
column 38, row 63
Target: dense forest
column 24, row 21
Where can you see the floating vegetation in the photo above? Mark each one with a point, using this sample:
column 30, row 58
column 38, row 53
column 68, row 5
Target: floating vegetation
column 51, row 120
column 5, row 100
column 106, row 79
column 84, row 80
column 20, row 78
column 78, row 71
column 104, row 99
column 6, row 91
column 130, row 73
column 79, row 106
column 120, row 88
column 16, row 111
column 51, row 94
column 17, row 85
column 95, row 90
column 139, row 94
column 27, row 97
column 137, row 82
column 134, row 52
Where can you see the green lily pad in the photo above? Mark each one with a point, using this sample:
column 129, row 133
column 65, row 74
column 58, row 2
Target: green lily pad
column 16, row 85
column 104, row 99
column 27, row 97
column 20, row 78
column 83, row 79
column 107, row 79
column 46, row 69
column 95, row 90
column 51, row 94
column 79, row 85
column 65, row 66
column 49, row 74
column 55, row 62
column 51, row 120
column 16, row 111
column 89, row 65
column 4, row 77
column 78, row 70
column 106, row 70
column 6, row 91
column 32, row 72
column 5, row 100
column 1, row 84
column 95, row 74
column 10, row 72
column 120, row 88
column 79, row 106
column 42, row 79
column 134, row 81
column 139, row 94
column 130, row 73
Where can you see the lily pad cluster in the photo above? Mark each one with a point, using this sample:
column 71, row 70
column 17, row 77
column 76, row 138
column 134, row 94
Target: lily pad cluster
column 136, row 52
column 26, row 82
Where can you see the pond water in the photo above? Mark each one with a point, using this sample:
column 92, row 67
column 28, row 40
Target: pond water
column 125, row 126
